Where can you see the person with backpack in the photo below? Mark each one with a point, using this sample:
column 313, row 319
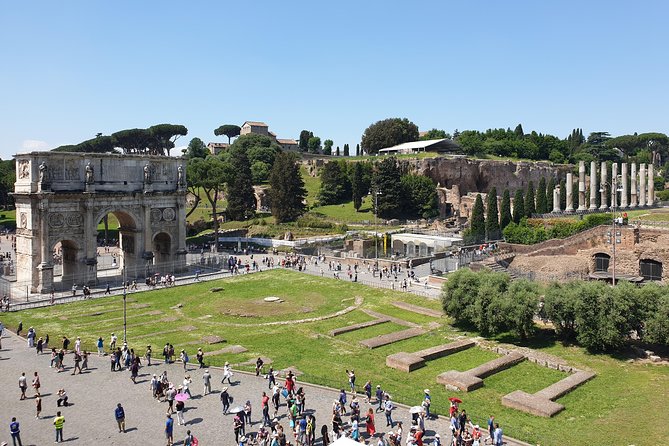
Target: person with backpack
column 184, row 359
column 119, row 414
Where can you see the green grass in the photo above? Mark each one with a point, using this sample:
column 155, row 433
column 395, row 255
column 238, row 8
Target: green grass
column 595, row 413
column 311, row 184
column 345, row 213
column 8, row 218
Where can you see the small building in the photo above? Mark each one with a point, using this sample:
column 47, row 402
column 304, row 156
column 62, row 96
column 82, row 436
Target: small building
column 431, row 145
column 422, row 245
column 256, row 127
column 217, row 147
column 287, row 144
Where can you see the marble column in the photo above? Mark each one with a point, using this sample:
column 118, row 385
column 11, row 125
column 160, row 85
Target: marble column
column 633, row 196
column 642, row 185
column 615, row 183
column 623, row 180
column 650, row 194
column 556, row 200
column 593, row 185
column 581, row 186
column 602, row 184
column 570, row 187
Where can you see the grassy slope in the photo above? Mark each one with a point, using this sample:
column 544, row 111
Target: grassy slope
column 594, row 414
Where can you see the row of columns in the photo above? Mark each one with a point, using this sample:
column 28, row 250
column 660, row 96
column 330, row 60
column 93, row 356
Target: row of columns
column 642, row 192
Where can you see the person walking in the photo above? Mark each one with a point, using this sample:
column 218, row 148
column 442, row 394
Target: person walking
column 190, row 439
column 184, row 359
column 200, row 357
column 148, row 354
column 36, row 384
column 77, row 363
column 101, row 346
column 58, row 422
column 206, row 377
column 23, row 385
column 169, row 430
column 225, row 400
column 119, row 414
column 388, row 409
column 15, row 431
column 31, row 337
column 180, row 413
column 369, row 423
column 38, row 406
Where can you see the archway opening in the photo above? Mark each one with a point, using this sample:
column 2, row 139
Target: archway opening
column 162, row 249
column 650, row 269
column 116, row 247
column 65, row 263
column 602, row 261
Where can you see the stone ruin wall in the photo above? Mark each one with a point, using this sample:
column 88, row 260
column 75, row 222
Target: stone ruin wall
column 575, row 255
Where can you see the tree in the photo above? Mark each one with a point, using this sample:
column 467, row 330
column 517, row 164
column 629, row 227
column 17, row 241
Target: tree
column 492, row 226
column 518, row 207
column 335, row 186
column 435, row 134
column 357, row 150
column 229, row 130
column 304, row 140
column 327, row 147
column 529, row 200
column 657, row 322
column 163, row 136
column 386, row 181
column 346, row 150
column 7, row 179
column 131, row 140
column 477, row 222
column 196, row 149
column 520, row 305
column 287, row 192
column 542, row 201
column 314, row 144
column 549, row 194
column 505, row 210
column 260, row 171
column 387, row 133
column 518, row 132
column 459, row 294
column 337, row 151
column 211, row 175
column 421, row 196
column 358, row 189
column 241, row 198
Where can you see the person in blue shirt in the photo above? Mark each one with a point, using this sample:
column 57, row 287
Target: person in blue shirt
column 169, row 430
column 119, row 414
column 15, row 430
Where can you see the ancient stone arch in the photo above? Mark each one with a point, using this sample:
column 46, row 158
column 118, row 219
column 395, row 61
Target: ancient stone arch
column 60, row 198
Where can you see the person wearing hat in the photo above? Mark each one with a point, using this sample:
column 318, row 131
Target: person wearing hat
column 184, row 359
column 227, row 373
column 225, row 400
column 206, row 378
column 476, row 435
column 437, row 440
column 427, row 401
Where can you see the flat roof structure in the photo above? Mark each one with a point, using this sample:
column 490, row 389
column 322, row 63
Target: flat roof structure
column 430, row 145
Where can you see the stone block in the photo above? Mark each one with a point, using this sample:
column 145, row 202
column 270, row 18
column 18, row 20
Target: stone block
column 406, row 362
column 565, row 386
column 655, row 358
column 531, row 404
column 349, row 328
column 446, row 349
column 389, row 338
column 496, row 365
column 418, row 309
column 461, row 380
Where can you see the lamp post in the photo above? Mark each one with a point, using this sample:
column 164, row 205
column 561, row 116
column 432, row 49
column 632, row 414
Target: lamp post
column 125, row 319
column 376, row 231
column 614, row 235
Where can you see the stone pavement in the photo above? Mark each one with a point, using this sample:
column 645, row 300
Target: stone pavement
column 90, row 419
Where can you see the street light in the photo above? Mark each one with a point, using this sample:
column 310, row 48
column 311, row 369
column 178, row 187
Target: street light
column 125, row 319
column 614, row 235
column 376, row 231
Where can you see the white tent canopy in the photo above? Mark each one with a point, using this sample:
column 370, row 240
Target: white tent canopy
column 344, row 441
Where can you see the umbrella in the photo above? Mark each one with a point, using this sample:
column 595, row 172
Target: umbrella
column 416, row 409
column 454, row 399
column 236, row 409
column 181, row 397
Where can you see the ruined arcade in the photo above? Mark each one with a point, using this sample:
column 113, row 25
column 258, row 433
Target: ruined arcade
column 61, row 197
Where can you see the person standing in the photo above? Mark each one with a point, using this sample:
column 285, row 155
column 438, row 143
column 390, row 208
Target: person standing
column 112, row 342
column 36, row 384
column 498, row 435
column 265, row 410
column 19, row 329
column 58, row 422
column 101, row 346
column 388, row 408
column 259, row 364
column 15, row 431
column 184, row 359
column 200, row 357
column 271, row 378
column 206, row 377
column 77, row 363
column 225, row 400
column 31, row 337
column 119, row 414
column 190, row 439
column 40, row 346
column 369, row 423
column 38, row 406
column 77, row 345
column 148, row 354
column 169, row 430
column 180, row 413
column 23, row 385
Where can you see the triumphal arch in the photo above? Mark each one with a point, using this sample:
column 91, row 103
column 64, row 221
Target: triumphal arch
column 61, row 197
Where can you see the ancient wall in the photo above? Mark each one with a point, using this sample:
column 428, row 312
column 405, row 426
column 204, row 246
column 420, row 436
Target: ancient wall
column 473, row 175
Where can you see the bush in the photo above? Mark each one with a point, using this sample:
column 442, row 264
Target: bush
column 663, row 195
column 530, row 231
column 310, row 221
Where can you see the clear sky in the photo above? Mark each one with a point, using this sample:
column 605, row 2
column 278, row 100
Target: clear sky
column 75, row 68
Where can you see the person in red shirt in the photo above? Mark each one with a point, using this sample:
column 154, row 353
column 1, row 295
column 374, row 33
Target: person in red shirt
column 265, row 410
column 418, row 437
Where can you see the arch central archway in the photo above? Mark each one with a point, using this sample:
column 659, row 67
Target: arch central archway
column 117, row 247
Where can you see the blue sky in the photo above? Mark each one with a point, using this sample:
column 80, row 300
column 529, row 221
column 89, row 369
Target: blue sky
column 72, row 69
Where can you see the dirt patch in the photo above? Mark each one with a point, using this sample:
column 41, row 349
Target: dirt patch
column 213, row 339
column 189, row 328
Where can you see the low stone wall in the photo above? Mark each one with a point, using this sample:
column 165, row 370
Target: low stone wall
column 473, row 379
column 408, row 362
column 380, row 341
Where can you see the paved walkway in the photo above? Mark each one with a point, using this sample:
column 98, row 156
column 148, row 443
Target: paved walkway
column 94, row 395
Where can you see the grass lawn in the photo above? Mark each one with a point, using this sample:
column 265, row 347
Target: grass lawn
column 8, row 218
column 595, row 413
column 345, row 213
